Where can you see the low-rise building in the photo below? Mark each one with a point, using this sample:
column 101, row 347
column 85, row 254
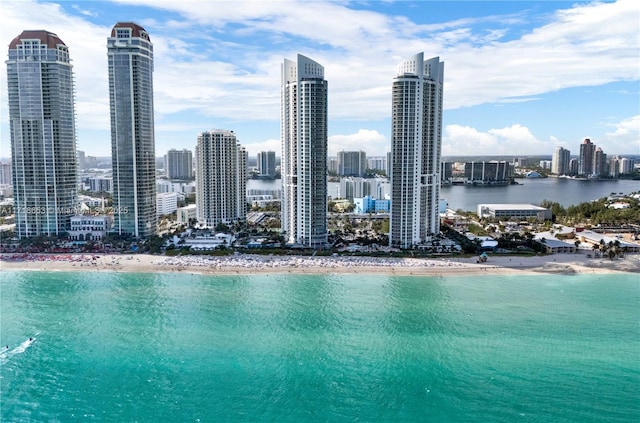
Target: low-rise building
column 89, row 228
column 167, row 203
column 514, row 211
column 186, row 213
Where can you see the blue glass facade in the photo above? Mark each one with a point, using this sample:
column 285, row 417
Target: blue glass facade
column 130, row 55
column 43, row 142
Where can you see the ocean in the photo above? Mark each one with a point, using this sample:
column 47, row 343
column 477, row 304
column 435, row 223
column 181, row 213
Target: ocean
column 120, row 347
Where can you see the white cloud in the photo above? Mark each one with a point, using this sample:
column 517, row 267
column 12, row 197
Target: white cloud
column 84, row 11
column 204, row 71
column 625, row 139
column 371, row 142
column 516, row 139
column 268, row 145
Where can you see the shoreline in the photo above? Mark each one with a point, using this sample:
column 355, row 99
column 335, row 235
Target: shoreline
column 246, row 264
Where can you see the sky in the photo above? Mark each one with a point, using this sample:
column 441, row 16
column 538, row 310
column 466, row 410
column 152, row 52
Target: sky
column 520, row 77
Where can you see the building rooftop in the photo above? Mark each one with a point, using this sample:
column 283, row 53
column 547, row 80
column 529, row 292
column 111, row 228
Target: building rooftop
column 137, row 30
column 512, row 206
column 50, row 39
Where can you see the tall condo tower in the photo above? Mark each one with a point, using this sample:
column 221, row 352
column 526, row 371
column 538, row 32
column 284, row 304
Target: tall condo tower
column 585, row 163
column 221, row 178
column 303, row 126
column 416, row 132
column 560, row 161
column 267, row 163
column 130, row 54
column 43, row 139
column 352, row 163
column 179, row 164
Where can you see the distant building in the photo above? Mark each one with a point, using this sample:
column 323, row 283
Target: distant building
column 179, row 164
column 5, row 174
column 626, row 165
column 221, row 178
column 267, row 163
column 613, row 165
column 377, row 163
column 492, row 172
column 352, row 163
column 560, row 161
column 585, row 162
column 101, row 184
column 369, row 204
column 446, row 171
column 513, row 211
column 545, row 164
column 332, row 165
column 82, row 161
column 43, row 138
column 574, row 167
column 599, row 163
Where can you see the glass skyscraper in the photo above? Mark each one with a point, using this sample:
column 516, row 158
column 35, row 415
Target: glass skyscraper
column 303, row 126
column 130, row 55
column 43, row 142
column 416, row 138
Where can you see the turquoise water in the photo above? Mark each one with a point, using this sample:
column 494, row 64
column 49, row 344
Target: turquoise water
column 291, row 348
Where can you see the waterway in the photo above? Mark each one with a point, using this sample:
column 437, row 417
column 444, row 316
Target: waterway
column 566, row 192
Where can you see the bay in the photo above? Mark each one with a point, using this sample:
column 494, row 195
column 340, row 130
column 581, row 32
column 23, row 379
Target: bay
column 566, row 192
column 291, row 348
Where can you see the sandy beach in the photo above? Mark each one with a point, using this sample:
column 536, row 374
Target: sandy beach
column 251, row 264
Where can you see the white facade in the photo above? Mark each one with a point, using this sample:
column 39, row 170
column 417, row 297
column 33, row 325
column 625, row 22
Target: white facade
column 166, row 203
column 221, row 178
column 416, row 137
column 186, row 213
column 513, row 211
column 89, row 228
column 560, row 161
column 303, row 126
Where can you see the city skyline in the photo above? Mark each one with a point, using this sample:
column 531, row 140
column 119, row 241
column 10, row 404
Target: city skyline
column 522, row 79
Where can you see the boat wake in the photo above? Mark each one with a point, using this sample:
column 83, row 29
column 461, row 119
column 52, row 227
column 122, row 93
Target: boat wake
column 6, row 353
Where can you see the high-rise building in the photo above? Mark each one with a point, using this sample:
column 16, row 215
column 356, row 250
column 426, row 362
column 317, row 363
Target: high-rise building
column 267, row 163
column 81, row 160
column 130, row 55
column 352, row 163
column 626, row 165
column 303, row 126
column 179, row 164
column 5, row 174
column 416, row 137
column 585, row 160
column 491, row 172
column 560, row 161
column 599, row 163
column 377, row 163
column 221, row 178
column 43, row 139
column 574, row 166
